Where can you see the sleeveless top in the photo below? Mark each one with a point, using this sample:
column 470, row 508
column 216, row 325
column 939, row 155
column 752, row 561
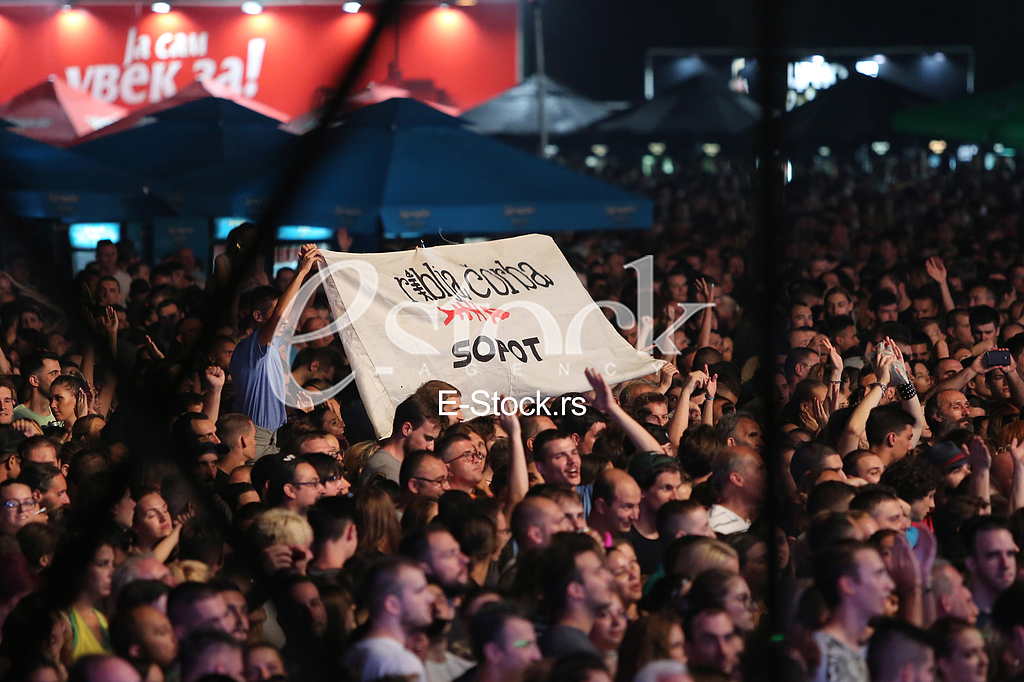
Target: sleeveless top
column 84, row 642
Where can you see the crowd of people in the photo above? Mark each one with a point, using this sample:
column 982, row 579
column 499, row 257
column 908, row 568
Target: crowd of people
column 164, row 515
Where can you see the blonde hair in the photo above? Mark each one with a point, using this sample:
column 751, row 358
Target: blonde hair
column 356, row 456
column 702, row 554
column 190, row 571
column 280, row 527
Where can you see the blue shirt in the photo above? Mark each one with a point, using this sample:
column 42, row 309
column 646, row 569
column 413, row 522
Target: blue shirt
column 259, row 379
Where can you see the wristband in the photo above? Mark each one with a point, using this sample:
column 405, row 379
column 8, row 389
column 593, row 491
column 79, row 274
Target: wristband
column 906, row 391
column 880, row 384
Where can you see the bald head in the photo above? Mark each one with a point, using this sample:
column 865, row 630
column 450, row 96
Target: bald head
column 616, row 502
column 100, row 668
column 315, row 324
column 535, row 520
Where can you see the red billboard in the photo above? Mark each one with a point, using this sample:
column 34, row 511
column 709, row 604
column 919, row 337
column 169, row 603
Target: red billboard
column 284, row 57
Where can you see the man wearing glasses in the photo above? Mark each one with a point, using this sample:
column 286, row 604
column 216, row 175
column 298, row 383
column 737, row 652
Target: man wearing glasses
column 423, row 474
column 294, row 485
column 17, row 507
column 465, row 463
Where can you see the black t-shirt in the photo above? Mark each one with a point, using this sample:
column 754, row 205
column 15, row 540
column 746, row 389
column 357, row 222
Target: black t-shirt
column 648, row 552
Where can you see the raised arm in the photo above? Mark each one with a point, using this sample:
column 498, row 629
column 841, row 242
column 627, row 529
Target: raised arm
column 835, row 363
column 850, row 440
column 706, row 292
column 913, row 404
column 958, row 381
column 309, row 255
column 681, row 417
column 937, row 271
column 1017, row 487
column 518, row 478
column 980, row 459
column 605, row 402
column 214, row 378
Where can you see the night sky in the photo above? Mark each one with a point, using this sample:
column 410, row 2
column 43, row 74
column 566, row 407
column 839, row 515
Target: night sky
column 597, row 46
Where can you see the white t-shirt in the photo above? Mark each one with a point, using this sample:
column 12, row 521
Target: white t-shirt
column 375, row 657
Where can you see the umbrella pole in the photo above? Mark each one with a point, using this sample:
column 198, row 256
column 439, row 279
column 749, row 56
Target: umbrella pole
column 538, row 40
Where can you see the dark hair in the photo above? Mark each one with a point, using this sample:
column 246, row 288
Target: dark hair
column 488, row 625
column 833, row 562
column 381, row 579
column 580, row 424
column 66, row 575
column 281, row 475
column 893, row 645
column 545, row 437
column 942, row 633
column 140, row 592
column 183, row 597
column 870, row 497
column 330, row 517
column 698, row 446
column 885, row 420
column 36, row 540
column 982, row 314
column 912, row 478
column 829, row 496
column 974, row 526
column 414, row 410
column 411, row 466
column 33, row 362
column 38, row 475
column 559, row 566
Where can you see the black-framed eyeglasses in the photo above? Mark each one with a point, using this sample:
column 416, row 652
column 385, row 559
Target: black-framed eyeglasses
column 471, row 455
column 441, row 480
column 299, row 484
column 335, row 453
column 20, row 504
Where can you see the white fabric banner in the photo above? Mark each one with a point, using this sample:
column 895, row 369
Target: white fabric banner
column 503, row 317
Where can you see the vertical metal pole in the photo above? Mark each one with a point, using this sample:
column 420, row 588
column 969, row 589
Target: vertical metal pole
column 538, row 40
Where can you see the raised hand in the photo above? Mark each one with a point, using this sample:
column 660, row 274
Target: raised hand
column 603, row 399
column 834, row 358
column 151, row 347
column 883, row 368
column 1016, row 452
column 214, row 377
column 978, row 454
column 309, row 255
column 509, row 422
column 936, row 269
column 667, row 373
column 905, row 570
column 712, row 387
column 109, row 321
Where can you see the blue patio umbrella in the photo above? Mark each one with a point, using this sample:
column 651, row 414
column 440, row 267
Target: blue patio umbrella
column 409, row 169
column 38, row 180
column 165, row 141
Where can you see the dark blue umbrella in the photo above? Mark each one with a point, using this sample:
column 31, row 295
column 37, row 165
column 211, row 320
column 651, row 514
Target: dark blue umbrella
column 852, row 112
column 514, row 112
column 42, row 181
column 201, row 126
column 414, row 170
column 701, row 105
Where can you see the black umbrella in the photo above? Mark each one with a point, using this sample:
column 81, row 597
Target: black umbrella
column 852, row 112
column 702, row 105
column 514, row 112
